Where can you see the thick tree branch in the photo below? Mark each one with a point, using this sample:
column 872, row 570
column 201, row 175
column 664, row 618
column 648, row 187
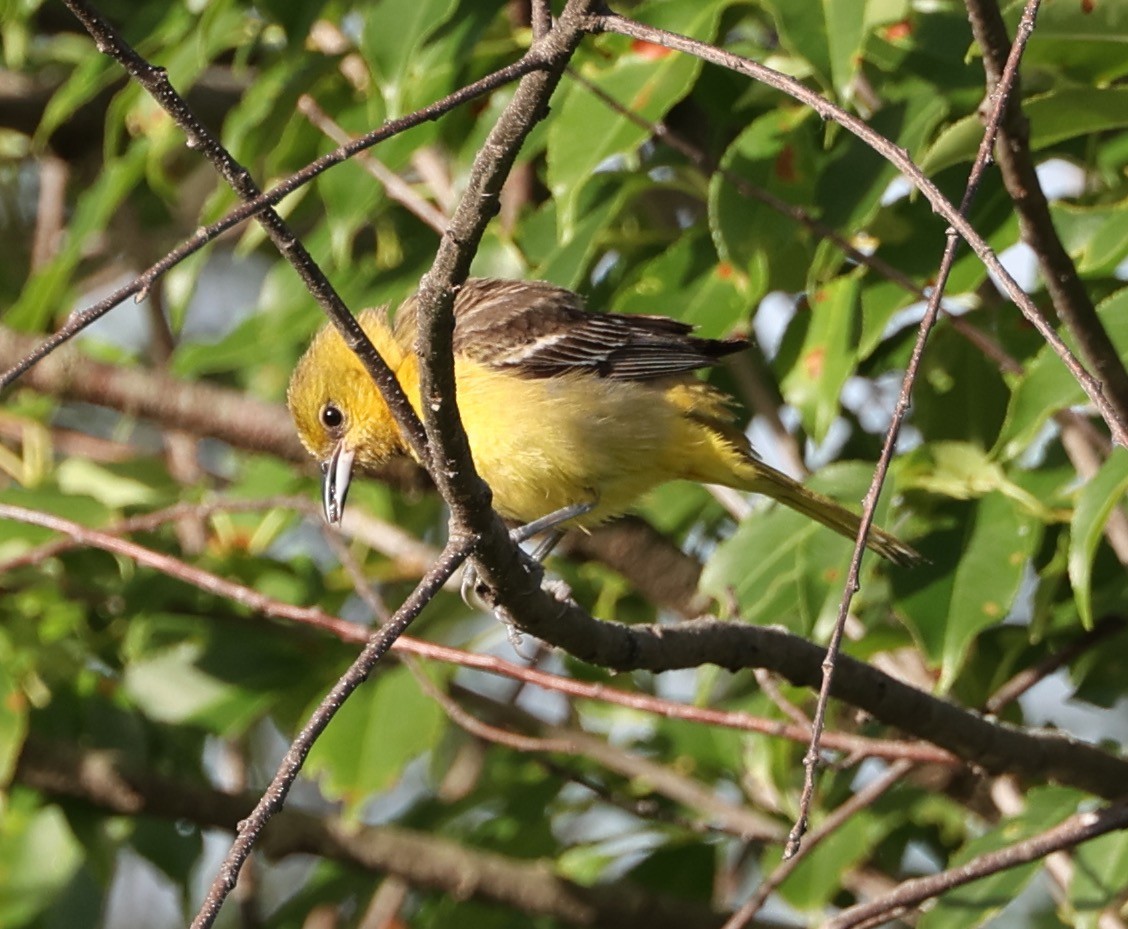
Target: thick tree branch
column 987, row 744
column 992, row 746
column 102, row 780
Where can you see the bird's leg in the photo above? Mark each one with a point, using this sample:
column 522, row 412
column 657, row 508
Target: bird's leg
column 551, row 521
column 548, row 523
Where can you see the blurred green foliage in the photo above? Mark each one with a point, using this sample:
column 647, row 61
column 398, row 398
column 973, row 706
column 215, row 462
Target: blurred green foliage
column 97, row 652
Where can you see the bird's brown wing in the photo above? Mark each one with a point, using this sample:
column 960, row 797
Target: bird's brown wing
column 539, row 330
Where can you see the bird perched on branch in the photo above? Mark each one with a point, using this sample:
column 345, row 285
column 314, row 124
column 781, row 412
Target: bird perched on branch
column 563, row 408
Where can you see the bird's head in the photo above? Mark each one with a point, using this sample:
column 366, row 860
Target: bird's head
column 339, row 413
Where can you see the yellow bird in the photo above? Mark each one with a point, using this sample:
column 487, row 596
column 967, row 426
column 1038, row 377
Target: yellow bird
column 562, row 408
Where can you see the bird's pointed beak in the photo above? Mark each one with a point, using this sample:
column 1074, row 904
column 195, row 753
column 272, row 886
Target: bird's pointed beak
column 335, row 482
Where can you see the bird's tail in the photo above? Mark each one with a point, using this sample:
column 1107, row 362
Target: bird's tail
column 760, row 478
column 713, row 451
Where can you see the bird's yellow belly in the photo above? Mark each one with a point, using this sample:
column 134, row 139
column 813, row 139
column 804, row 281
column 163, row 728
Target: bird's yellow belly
column 565, row 440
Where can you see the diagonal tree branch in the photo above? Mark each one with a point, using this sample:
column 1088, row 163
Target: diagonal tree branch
column 105, row 781
column 931, row 314
column 1070, row 298
column 155, row 81
column 898, row 157
column 255, row 205
column 910, row 894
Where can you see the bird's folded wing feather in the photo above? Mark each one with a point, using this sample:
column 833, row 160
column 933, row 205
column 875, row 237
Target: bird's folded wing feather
column 539, row 330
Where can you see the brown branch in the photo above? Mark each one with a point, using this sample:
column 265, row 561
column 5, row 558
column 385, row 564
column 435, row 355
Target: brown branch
column 1073, row 832
column 140, row 285
column 102, row 780
column 992, row 746
column 898, row 157
column 931, row 314
column 833, row 822
column 110, row 541
column 1016, row 164
column 995, row 747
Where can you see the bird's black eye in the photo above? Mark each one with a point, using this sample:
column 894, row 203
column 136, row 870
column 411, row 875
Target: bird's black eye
column 331, row 416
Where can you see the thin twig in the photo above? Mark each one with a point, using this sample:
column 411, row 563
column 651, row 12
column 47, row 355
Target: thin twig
column 834, row 821
column 982, row 159
column 140, row 285
column 1070, row 298
column 899, row 157
column 274, row 796
column 1073, row 832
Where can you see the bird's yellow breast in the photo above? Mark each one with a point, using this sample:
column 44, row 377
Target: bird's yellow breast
column 546, row 443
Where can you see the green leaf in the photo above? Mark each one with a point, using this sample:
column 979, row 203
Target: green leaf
column 394, row 32
column 1084, row 42
column 570, row 256
column 976, row 571
column 960, row 395
column 1096, row 237
column 976, row 903
column 963, row 471
column 828, row 355
column 781, row 567
column 221, row 676
column 385, row 724
column 688, row 283
column 1098, row 878
column 172, row 688
column 38, row 856
column 779, row 153
column 828, row 36
column 1068, row 113
column 849, row 207
column 83, row 477
column 1047, row 386
column 1103, row 494
column 46, row 289
column 586, row 133
column 814, row 884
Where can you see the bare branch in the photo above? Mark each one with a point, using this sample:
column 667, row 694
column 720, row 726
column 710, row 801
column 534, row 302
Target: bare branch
column 1074, row 831
column 899, row 158
column 1016, row 164
column 931, row 314
column 429, row 862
